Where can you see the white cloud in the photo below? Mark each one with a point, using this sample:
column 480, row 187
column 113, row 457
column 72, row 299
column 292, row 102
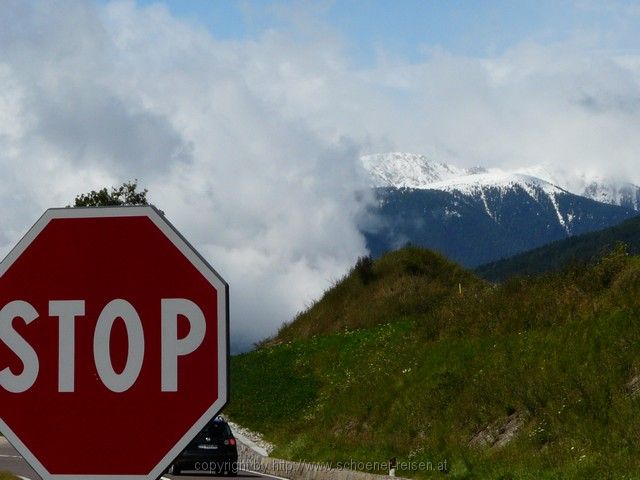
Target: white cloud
column 251, row 146
column 91, row 97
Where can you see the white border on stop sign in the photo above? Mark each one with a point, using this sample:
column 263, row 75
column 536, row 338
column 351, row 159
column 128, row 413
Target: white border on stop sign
column 207, row 271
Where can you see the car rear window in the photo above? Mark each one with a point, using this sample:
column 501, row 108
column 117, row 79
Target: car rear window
column 217, row 430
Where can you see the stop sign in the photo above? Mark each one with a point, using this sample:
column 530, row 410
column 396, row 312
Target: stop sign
column 113, row 343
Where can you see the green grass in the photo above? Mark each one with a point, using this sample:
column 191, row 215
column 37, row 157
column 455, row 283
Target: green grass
column 559, row 350
column 406, row 282
column 8, row 476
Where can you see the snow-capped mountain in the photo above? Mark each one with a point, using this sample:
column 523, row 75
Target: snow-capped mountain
column 624, row 194
column 475, row 216
column 594, row 186
column 501, row 184
column 408, row 170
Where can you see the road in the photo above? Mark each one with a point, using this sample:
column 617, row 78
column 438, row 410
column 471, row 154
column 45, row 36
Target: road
column 11, row 461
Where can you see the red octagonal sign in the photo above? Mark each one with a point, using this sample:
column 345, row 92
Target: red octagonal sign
column 113, row 343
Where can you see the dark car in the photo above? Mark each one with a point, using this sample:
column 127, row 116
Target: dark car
column 212, row 451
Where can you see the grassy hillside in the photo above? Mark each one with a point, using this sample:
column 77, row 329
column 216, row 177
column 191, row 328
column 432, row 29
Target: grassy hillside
column 579, row 249
column 410, row 281
column 550, row 361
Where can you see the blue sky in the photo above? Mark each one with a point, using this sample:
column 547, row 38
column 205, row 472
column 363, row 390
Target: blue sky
column 409, row 29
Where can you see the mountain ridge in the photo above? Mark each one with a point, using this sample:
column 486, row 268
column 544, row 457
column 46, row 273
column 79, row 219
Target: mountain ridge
column 408, row 170
column 493, row 223
column 474, row 216
column 579, row 249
